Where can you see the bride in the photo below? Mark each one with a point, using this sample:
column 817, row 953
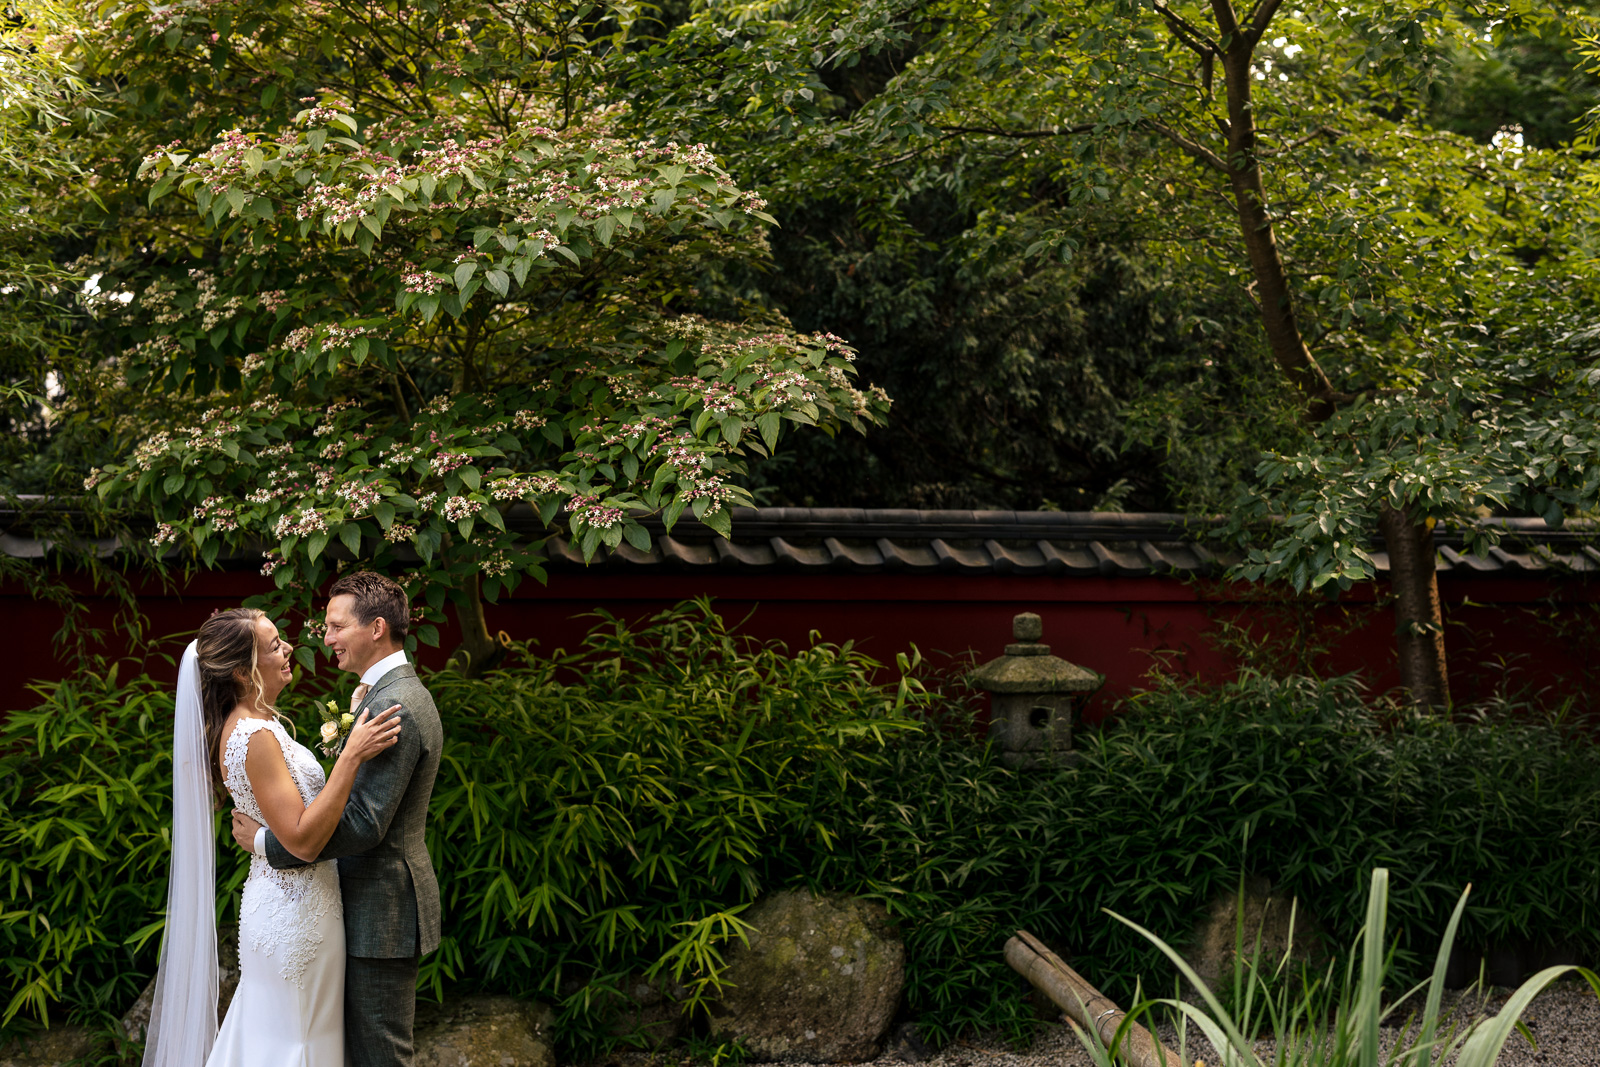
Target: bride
column 229, row 741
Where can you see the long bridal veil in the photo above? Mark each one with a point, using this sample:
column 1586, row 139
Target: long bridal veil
column 183, row 1016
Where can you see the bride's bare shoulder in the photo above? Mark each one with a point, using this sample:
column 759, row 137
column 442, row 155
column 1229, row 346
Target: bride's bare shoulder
column 252, row 737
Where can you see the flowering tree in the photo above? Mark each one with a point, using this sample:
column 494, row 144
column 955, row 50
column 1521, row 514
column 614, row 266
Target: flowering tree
column 400, row 328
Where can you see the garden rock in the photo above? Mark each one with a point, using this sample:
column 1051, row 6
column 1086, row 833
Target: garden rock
column 49, row 1048
column 137, row 1017
column 1266, row 914
column 819, row 981
column 485, row 1032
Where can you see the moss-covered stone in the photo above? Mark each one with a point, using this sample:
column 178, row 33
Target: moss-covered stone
column 51, row 1048
column 485, row 1032
column 1266, row 921
column 819, row 982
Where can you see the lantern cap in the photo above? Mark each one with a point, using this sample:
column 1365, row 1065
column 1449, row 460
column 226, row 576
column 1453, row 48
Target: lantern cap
column 1028, row 666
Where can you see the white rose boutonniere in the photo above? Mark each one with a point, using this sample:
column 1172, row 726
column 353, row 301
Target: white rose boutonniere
column 335, row 728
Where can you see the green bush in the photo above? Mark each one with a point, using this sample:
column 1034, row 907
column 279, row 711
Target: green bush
column 1306, row 782
column 609, row 813
column 587, row 834
column 584, row 831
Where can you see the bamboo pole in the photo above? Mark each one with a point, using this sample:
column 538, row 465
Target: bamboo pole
column 1083, row 1003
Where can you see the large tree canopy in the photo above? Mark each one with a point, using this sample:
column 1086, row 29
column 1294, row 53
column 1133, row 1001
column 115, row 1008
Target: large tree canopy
column 1411, row 285
column 1108, row 252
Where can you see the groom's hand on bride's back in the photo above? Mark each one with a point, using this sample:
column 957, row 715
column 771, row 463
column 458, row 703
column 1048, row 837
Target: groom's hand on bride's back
column 244, row 831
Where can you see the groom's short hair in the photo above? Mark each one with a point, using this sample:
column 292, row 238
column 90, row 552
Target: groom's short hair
column 376, row 597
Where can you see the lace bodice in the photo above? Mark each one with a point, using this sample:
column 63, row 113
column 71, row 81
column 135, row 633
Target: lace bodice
column 303, row 766
column 294, row 900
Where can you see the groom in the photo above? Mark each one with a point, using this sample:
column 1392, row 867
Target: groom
column 391, row 898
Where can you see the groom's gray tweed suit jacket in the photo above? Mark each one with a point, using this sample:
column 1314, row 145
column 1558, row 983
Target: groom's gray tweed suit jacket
column 391, row 897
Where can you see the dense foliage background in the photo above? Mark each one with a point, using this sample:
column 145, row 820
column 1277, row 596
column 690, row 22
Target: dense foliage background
column 589, row 832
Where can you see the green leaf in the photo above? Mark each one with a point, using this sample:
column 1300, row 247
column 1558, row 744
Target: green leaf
column 316, row 543
column 464, row 272
column 720, row 521
column 769, row 425
column 350, row 534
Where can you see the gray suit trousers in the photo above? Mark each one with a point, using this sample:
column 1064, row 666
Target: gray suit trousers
column 380, row 1008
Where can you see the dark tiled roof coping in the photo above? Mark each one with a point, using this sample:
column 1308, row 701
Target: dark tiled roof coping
column 1109, row 544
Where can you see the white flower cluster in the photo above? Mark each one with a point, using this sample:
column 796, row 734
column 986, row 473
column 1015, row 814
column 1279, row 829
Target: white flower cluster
column 361, row 495
column 164, row 534
column 589, row 510
column 152, row 449
column 424, row 282
column 402, row 455
column 400, row 531
column 299, row 524
column 460, row 507
column 222, row 518
column 445, row 462
column 523, row 486
column 497, row 565
column 527, row 420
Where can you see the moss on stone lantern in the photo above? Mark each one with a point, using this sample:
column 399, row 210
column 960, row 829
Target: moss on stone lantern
column 1034, row 698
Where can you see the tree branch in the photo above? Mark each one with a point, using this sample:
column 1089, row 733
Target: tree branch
column 1292, row 145
column 990, row 131
column 1227, row 21
column 1261, row 17
column 1191, row 35
column 952, row 132
column 1199, row 151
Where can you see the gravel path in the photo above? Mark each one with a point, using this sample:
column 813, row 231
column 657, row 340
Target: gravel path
column 1564, row 1020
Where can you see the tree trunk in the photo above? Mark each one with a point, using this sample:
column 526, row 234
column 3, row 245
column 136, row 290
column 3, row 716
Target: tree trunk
column 478, row 651
column 1419, row 622
column 1274, row 298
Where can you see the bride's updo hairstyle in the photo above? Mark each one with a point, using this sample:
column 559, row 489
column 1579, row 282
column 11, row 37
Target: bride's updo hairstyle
column 225, row 652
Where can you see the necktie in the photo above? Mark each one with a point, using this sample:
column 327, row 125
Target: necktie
column 358, row 696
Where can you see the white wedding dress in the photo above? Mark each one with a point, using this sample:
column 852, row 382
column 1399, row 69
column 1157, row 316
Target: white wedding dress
column 289, row 1008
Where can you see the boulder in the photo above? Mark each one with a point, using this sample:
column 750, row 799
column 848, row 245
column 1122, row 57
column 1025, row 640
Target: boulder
column 49, row 1048
column 1266, row 915
column 819, row 981
column 485, row 1032
column 136, row 1018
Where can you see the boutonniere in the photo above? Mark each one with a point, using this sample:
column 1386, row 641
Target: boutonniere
column 335, row 728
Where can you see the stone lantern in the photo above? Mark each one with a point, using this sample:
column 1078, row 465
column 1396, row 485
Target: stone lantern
column 1034, row 698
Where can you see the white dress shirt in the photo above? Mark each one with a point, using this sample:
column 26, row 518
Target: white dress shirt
column 369, row 678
